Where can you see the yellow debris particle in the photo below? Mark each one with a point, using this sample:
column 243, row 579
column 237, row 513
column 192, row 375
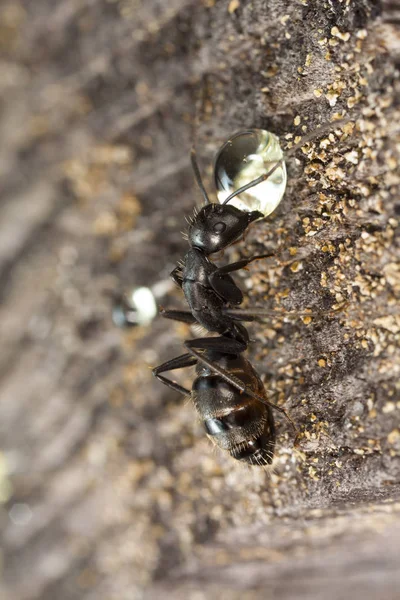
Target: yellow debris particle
column 388, row 408
column 324, row 143
column 233, row 5
column 352, row 101
column 322, row 362
column 297, row 120
column 296, row 266
column 393, row 436
column 335, row 174
column 359, row 451
column 390, row 322
column 332, row 98
column 345, row 36
column 348, row 128
column 271, row 71
column 106, row 224
column 318, row 93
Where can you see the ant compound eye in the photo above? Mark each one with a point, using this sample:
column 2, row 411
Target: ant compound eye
column 219, row 227
column 243, row 158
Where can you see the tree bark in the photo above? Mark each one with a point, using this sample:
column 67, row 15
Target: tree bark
column 109, row 487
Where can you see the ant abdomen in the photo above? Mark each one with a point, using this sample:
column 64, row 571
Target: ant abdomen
column 235, row 421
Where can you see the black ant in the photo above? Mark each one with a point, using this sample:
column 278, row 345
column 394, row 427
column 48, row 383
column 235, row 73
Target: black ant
column 227, row 393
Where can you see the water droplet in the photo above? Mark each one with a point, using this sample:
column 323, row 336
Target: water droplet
column 20, row 513
column 244, row 157
column 135, row 307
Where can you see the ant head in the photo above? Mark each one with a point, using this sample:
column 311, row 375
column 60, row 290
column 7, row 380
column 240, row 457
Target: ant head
column 217, row 226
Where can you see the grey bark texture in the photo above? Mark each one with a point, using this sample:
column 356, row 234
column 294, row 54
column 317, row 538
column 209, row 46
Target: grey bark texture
column 110, row 489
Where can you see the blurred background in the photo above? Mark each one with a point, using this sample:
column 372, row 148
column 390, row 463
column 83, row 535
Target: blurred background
column 109, row 489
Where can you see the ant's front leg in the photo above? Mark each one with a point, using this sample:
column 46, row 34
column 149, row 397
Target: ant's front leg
column 176, row 275
column 224, row 285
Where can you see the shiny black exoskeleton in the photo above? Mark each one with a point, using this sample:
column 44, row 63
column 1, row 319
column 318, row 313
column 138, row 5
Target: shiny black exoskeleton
column 229, row 397
column 236, row 422
column 210, row 289
column 228, row 394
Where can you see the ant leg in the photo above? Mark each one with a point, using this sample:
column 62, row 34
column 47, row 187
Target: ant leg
column 241, row 264
column 222, row 344
column 180, row 362
column 316, row 133
column 176, row 276
column 254, row 314
column 184, row 316
column 196, row 171
column 226, row 345
column 225, row 286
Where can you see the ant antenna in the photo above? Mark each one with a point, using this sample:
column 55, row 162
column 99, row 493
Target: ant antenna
column 197, row 175
column 251, row 184
column 199, row 105
column 307, row 138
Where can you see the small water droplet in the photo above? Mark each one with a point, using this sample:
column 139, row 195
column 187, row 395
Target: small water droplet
column 20, row 513
column 244, row 157
column 135, row 307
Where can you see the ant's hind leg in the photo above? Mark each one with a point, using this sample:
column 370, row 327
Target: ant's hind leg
column 180, row 362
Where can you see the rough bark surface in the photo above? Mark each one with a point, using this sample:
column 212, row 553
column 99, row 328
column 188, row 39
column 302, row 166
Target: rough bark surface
column 109, row 488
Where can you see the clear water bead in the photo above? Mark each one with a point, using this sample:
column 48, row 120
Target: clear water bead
column 244, row 157
column 135, row 307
